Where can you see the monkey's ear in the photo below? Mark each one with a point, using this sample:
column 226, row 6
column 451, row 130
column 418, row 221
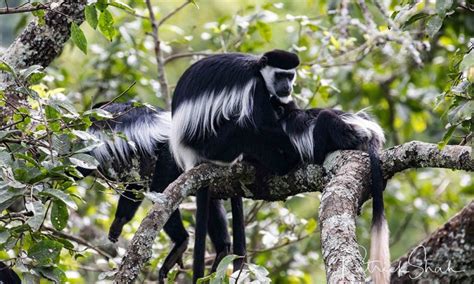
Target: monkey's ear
column 262, row 62
column 281, row 59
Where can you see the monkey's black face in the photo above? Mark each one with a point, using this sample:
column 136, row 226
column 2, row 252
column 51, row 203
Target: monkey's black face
column 283, row 83
column 279, row 82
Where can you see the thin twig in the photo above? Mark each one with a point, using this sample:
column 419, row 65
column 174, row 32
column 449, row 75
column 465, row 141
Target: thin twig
column 279, row 246
column 408, row 42
column 78, row 240
column 23, row 8
column 185, row 54
column 399, row 233
column 117, row 97
column 367, row 15
column 171, row 14
column 159, row 56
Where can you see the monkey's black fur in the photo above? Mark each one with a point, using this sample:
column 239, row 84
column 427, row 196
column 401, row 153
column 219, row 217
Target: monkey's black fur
column 7, row 275
column 331, row 133
column 118, row 159
column 221, row 111
column 335, row 130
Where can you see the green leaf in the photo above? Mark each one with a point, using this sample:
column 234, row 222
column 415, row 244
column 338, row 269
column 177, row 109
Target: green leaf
column 99, row 113
column 6, row 133
column 4, row 235
column 195, row 4
column 91, row 16
column 9, row 196
column 6, row 67
column 222, row 268
column 442, row 6
column 259, row 272
column 311, row 226
column 123, row 6
column 52, row 273
column 433, row 25
column 84, row 161
column 36, row 77
column 40, row 15
column 264, row 30
column 33, row 74
column 78, row 37
column 106, row 24
column 59, row 215
column 39, row 212
column 45, row 252
column 102, row 5
column 447, row 136
column 467, row 61
column 415, row 18
column 461, row 112
column 60, row 195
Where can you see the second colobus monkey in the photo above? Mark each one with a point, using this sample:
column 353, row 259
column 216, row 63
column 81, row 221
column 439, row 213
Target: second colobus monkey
column 315, row 133
column 221, row 113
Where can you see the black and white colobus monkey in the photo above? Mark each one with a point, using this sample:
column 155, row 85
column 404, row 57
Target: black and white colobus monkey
column 143, row 155
column 316, row 132
column 8, row 275
column 221, row 113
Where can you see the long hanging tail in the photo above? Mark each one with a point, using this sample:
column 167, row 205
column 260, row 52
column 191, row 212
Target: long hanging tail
column 379, row 263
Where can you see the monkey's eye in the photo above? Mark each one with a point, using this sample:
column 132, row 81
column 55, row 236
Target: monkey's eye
column 279, row 76
column 291, row 76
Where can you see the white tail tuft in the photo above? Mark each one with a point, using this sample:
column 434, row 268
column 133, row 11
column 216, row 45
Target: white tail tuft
column 379, row 263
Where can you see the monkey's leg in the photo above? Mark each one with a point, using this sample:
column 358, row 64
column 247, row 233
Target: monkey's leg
column 238, row 232
column 331, row 133
column 202, row 215
column 8, row 275
column 174, row 228
column 218, row 232
column 266, row 151
column 166, row 172
column 126, row 209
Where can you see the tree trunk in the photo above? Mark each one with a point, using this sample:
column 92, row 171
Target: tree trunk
column 38, row 44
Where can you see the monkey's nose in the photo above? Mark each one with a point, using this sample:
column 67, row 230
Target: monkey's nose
column 283, row 93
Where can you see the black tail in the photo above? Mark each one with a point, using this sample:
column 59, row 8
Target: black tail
column 238, row 230
column 379, row 263
column 202, row 216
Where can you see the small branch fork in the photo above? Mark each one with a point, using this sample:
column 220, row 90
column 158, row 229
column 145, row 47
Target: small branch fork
column 343, row 179
column 23, row 8
column 160, row 60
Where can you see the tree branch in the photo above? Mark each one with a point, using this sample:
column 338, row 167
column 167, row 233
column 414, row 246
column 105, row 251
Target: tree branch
column 183, row 55
column 23, row 9
column 39, row 44
column 162, row 80
column 340, row 203
column 446, row 256
column 343, row 176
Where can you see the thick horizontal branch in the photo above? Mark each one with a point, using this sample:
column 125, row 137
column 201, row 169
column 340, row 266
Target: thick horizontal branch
column 417, row 154
column 446, row 256
column 348, row 168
